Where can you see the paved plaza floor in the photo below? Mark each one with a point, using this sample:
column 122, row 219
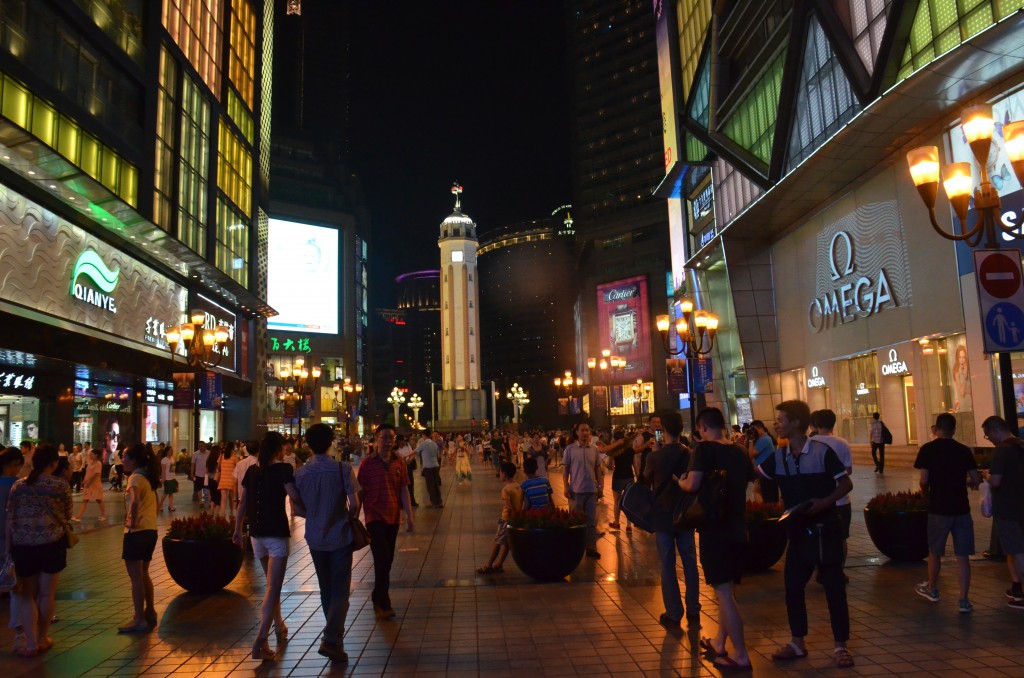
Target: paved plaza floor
column 453, row 622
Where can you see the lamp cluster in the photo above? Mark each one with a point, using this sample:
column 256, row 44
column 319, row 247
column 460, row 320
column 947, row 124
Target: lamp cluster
column 978, row 126
column 296, row 380
column 693, row 328
column 202, row 344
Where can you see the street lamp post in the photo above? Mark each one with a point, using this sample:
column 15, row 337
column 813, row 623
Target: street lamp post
column 396, row 399
column 351, row 393
column 298, row 385
column 415, row 402
column 572, row 386
column 978, row 126
column 520, row 399
column 203, row 349
column 609, row 366
column 696, row 332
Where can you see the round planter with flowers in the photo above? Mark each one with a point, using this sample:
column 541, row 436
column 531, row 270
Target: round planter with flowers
column 199, row 553
column 897, row 523
column 547, row 544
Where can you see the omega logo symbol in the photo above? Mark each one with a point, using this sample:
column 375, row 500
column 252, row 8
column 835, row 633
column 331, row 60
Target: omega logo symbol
column 848, row 268
column 816, row 380
column 895, row 365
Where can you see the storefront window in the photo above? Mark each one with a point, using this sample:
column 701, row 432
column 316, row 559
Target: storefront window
column 856, row 396
column 947, row 383
column 19, row 420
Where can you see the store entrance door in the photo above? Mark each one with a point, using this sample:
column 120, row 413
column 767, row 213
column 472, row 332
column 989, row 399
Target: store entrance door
column 910, row 402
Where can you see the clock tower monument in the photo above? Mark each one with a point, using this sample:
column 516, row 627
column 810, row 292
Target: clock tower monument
column 462, row 401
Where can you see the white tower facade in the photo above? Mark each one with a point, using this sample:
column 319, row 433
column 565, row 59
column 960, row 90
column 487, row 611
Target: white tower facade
column 462, row 400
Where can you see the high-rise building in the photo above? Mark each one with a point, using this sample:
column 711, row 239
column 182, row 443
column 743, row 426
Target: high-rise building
column 526, row 299
column 133, row 170
column 419, row 298
column 319, row 229
column 461, row 402
column 621, row 228
column 789, row 126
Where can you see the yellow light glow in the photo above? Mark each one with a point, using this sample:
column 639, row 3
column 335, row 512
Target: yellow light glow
column 700, row 321
column 1013, row 135
column 603, row 364
column 188, row 332
column 662, row 322
column 316, row 372
column 299, row 362
column 712, row 323
column 221, row 335
column 591, row 363
column 173, row 336
column 958, row 181
column 286, row 373
column 686, row 305
column 568, row 375
column 579, row 381
column 304, row 374
column 337, row 388
column 209, row 338
column 682, row 328
column 359, row 387
column 924, row 165
column 558, row 382
column 198, row 318
column 977, row 123
column 605, row 353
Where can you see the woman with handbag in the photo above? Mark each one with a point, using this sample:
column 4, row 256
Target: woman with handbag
column 263, row 491
column 140, row 533
column 38, row 519
column 168, row 479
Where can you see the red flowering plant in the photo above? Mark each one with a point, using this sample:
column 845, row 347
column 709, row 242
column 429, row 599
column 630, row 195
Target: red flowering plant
column 898, row 502
column 547, row 518
column 204, row 527
column 761, row 510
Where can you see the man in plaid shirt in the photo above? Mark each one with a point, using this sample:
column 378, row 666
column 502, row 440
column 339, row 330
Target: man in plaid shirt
column 385, row 492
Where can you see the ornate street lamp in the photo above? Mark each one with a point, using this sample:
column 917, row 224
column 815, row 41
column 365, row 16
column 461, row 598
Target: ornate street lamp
column 572, row 386
column 704, row 327
column 609, row 366
column 416, row 402
column 345, row 394
column 202, row 348
column 297, row 383
column 396, row 399
column 520, row 399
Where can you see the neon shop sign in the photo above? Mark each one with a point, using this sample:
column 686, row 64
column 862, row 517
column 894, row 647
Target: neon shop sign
column 862, row 297
column 815, row 380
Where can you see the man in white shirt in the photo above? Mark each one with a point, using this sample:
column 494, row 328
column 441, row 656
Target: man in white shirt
column 823, row 422
column 197, row 473
column 579, row 473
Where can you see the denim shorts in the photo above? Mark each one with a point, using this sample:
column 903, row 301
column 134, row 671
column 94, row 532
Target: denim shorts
column 273, row 547
column 1011, row 535
column 962, row 529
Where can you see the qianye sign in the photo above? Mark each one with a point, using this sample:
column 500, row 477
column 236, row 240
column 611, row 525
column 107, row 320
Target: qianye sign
column 895, row 365
column 861, row 267
column 54, row 267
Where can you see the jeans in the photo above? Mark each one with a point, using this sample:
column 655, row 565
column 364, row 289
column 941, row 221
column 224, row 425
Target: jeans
column 383, row 537
column 878, row 458
column 334, row 575
column 797, row 574
column 587, row 503
column 668, row 543
column 432, row 476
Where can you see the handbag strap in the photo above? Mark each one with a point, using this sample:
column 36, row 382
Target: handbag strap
column 344, row 488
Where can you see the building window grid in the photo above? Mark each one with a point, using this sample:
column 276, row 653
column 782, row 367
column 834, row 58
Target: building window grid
column 825, row 101
column 693, row 18
column 194, row 167
column 733, row 192
column 231, row 254
column 752, row 124
column 868, row 19
column 234, row 168
column 195, row 26
column 941, row 25
column 241, row 117
column 66, row 137
column 121, row 20
column 166, row 116
column 242, row 61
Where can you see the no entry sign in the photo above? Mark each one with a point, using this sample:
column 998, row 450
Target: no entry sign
column 1001, row 298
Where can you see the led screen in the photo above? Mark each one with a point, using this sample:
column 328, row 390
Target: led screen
column 302, row 280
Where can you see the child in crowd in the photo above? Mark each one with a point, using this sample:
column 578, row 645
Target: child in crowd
column 511, row 500
column 536, row 489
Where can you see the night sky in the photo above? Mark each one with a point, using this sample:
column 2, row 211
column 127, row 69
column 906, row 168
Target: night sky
column 474, row 91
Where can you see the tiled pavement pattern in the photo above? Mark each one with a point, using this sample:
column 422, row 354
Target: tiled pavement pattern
column 456, row 623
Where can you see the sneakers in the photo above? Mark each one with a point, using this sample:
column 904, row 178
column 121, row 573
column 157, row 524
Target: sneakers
column 965, row 606
column 1014, row 595
column 1018, row 604
column 925, row 592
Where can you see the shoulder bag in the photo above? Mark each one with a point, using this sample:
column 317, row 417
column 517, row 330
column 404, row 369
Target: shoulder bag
column 360, row 535
column 705, row 507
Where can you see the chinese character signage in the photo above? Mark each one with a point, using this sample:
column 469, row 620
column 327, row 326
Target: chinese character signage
column 703, row 376
column 54, row 267
column 211, row 391
column 16, row 381
column 290, row 345
column 623, row 326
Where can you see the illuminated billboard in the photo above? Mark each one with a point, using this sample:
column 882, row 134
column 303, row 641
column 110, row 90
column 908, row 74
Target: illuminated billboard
column 303, row 277
column 624, row 327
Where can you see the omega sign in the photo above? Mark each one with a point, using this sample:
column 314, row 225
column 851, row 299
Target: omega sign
column 844, row 302
column 895, row 365
column 815, row 380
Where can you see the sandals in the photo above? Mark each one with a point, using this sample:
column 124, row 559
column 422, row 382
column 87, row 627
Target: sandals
column 280, row 632
column 486, row 569
column 843, row 658
column 709, row 649
column 788, row 653
column 728, row 665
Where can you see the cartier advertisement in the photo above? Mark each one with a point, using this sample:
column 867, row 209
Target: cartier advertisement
column 623, row 325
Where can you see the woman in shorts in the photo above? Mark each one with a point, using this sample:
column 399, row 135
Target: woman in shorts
column 263, row 491
column 38, row 513
column 140, row 533
column 168, row 479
